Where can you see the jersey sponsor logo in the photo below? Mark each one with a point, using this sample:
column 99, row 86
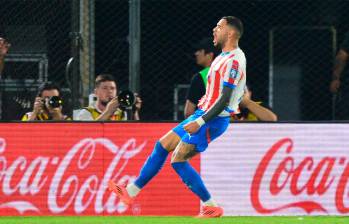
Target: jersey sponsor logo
column 233, row 73
column 234, row 70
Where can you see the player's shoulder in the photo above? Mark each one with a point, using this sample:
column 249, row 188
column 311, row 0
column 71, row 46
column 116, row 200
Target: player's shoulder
column 239, row 56
column 240, row 53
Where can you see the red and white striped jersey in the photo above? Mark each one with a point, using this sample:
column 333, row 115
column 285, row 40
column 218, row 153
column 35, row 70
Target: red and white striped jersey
column 228, row 69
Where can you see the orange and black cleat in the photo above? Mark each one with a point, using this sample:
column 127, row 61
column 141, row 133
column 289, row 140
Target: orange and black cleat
column 121, row 192
column 210, row 212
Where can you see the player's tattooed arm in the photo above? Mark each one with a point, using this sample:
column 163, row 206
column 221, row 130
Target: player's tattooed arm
column 222, row 102
column 219, row 106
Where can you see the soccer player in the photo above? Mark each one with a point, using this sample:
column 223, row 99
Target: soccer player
column 225, row 88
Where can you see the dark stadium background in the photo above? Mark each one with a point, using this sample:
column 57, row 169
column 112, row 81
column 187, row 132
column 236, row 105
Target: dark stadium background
column 169, row 30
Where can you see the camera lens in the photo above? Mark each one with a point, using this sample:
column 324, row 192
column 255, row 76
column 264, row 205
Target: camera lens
column 126, row 98
column 55, row 101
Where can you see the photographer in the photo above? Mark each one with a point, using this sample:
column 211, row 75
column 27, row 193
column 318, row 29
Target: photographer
column 47, row 105
column 107, row 106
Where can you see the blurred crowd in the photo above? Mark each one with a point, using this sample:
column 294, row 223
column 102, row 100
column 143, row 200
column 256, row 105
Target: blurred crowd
column 109, row 104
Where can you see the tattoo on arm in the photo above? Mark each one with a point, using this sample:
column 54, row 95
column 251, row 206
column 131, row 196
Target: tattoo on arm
column 219, row 106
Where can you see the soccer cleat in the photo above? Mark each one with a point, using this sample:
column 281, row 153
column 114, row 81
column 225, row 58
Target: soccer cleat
column 121, row 192
column 210, row 212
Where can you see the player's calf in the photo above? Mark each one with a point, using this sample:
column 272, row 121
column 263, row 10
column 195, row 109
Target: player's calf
column 151, row 167
column 192, row 179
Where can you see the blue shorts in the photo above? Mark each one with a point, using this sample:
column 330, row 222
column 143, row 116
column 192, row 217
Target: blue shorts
column 207, row 132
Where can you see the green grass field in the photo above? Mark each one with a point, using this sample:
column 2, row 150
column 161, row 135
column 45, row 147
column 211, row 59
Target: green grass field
column 174, row 220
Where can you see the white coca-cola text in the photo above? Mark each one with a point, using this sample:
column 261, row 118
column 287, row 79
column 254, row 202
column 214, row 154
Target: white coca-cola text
column 321, row 176
column 68, row 186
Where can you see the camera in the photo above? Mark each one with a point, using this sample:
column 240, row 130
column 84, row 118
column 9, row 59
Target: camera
column 55, row 101
column 126, row 98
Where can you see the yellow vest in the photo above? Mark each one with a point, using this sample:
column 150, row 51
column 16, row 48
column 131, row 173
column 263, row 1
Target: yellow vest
column 251, row 117
column 41, row 117
column 118, row 115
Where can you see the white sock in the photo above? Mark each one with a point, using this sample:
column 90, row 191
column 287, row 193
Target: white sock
column 132, row 190
column 210, row 202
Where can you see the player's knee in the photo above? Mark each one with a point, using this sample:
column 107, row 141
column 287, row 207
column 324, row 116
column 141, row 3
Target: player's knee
column 169, row 141
column 166, row 145
column 177, row 157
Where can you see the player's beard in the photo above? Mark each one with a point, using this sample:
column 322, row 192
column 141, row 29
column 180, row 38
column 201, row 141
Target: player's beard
column 221, row 42
column 218, row 45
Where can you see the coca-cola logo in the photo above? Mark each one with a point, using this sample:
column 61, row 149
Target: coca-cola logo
column 68, row 185
column 288, row 177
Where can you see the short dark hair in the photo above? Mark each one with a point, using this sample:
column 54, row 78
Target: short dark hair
column 234, row 22
column 48, row 86
column 207, row 45
column 104, row 78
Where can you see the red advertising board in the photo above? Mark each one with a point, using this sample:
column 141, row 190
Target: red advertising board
column 63, row 169
column 280, row 169
column 252, row 169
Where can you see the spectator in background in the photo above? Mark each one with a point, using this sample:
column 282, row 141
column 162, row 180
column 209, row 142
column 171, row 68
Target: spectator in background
column 340, row 79
column 253, row 110
column 205, row 53
column 107, row 106
column 4, row 46
column 47, row 105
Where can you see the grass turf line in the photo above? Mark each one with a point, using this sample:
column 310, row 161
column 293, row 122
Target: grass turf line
column 174, row 220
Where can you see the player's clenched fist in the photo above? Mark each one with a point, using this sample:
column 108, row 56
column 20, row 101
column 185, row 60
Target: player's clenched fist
column 192, row 127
